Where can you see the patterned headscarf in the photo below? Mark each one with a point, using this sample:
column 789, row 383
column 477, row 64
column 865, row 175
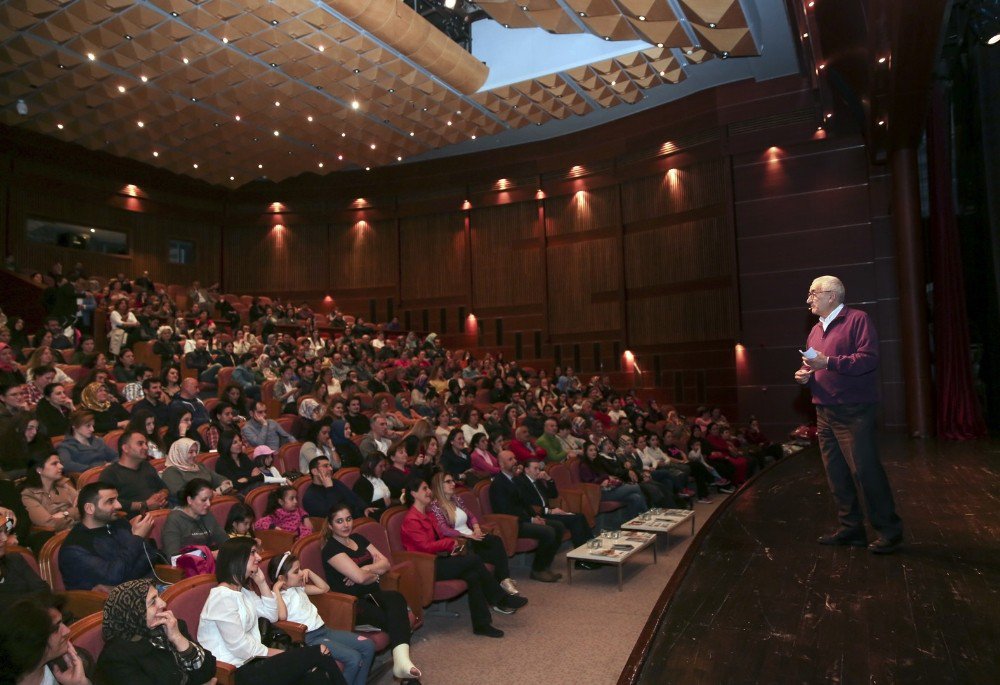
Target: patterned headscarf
column 125, row 611
column 307, row 408
column 179, row 455
column 89, row 398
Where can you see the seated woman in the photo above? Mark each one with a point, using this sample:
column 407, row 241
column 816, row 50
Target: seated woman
column 145, row 643
column 429, row 448
column 353, row 566
column 236, row 466
column 170, row 379
column 455, row 456
column 284, row 513
column 23, row 439
column 309, row 413
column 724, row 450
column 484, row 461
column 318, row 444
column 49, row 498
column 183, row 468
column 108, row 413
column 420, row 534
column 82, row 449
column 35, row 646
column 472, row 426
column 179, row 426
column 595, row 469
column 292, row 587
column 524, row 447
column 144, row 422
column 192, row 523
column 17, row 578
column 340, row 435
column 370, row 487
column 399, row 469
column 229, row 626
column 455, row 521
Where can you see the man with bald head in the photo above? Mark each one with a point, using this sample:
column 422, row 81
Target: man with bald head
column 187, row 397
column 506, row 498
column 839, row 367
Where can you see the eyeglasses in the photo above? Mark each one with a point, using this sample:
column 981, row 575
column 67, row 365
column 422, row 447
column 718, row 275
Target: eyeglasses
column 813, row 293
column 449, row 481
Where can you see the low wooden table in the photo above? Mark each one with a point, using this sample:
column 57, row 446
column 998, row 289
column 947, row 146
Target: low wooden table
column 607, row 554
column 661, row 521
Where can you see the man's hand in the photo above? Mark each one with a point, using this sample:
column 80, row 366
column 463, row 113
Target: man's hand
column 73, row 674
column 802, row 376
column 142, row 525
column 817, row 363
column 538, row 519
column 156, row 501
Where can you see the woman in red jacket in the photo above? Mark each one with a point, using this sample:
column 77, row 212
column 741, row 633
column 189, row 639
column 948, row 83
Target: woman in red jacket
column 723, row 449
column 524, row 448
column 420, row 534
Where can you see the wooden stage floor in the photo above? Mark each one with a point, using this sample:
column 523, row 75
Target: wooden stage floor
column 761, row 602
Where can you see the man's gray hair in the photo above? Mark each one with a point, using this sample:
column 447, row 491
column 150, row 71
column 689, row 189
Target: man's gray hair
column 834, row 285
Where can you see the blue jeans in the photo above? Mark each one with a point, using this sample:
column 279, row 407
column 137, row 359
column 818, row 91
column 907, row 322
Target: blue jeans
column 354, row 651
column 628, row 494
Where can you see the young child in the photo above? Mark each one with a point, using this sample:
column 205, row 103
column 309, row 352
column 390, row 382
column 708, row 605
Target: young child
column 695, row 455
column 239, row 523
column 284, row 513
column 263, row 459
column 292, row 587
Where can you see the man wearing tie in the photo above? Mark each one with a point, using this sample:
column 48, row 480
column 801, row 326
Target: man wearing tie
column 538, row 489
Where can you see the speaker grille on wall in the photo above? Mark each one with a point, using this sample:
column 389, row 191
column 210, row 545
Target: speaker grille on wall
column 463, row 323
column 426, row 319
column 518, row 346
column 678, row 386
column 538, row 344
column 407, row 321
column 499, row 331
column 390, row 309
column 372, row 311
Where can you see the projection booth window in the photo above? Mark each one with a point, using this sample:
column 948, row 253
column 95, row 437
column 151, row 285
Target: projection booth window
column 77, row 237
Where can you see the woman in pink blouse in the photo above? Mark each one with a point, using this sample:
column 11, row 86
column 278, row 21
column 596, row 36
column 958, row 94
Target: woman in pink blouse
column 482, row 460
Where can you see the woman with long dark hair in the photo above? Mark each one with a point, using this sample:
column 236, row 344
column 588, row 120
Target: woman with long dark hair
column 235, row 465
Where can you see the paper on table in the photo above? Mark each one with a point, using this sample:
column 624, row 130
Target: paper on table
column 809, row 354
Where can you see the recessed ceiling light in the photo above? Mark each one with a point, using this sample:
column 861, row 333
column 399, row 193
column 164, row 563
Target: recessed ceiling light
column 237, row 117
column 582, row 14
column 274, row 64
column 459, row 112
column 225, row 40
column 473, row 136
column 805, row 35
column 260, row 166
column 144, row 78
column 355, row 104
column 449, row 123
column 357, row 71
column 277, row 133
column 368, row 168
column 155, row 153
column 216, row 124
column 186, row 60
column 62, row 66
column 256, row 139
column 399, row 159
column 232, row 178
column 412, row 134
column 811, row 3
column 121, row 89
column 194, row 99
column 140, row 124
column 711, row 24
column 659, row 45
column 320, row 165
column 321, row 48
column 91, row 56
column 277, row 103
column 725, row 55
column 642, row 18
column 663, row 73
column 373, row 146
column 274, row 22
column 881, row 60
column 195, row 166
column 340, row 157
column 524, row 8
column 690, row 51
column 309, row 118
column 614, row 83
column 392, row 90
column 174, row 14
column 881, row 122
column 822, row 66
column 424, row 109
column 128, row 36
column 59, row 126
column 607, row 37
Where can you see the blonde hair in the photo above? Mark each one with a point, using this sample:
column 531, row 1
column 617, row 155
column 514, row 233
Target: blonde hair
column 445, row 502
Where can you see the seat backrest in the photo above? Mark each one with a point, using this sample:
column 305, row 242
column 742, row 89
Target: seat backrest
column 561, row 474
column 225, row 375
column 221, row 504
column 77, row 372
column 91, row 475
column 111, row 438
column 482, row 491
column 86, row 634
column 392, row 521
column 300, row 485
column 159, row 517
column 470, row 500
column 309, row 550
column 187, row 598
column 573, row 467
column 256, row 499
column 210, row 403
column 287, row 422
column 208, row 459
column 375, row 534
column 48, row 561
column 348, row 475
column 288, row 457
column 159, row 464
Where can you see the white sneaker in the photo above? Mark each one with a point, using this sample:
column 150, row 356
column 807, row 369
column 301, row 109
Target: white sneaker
column 508, row 586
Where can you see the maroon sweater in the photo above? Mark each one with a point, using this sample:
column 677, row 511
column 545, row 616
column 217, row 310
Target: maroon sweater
column 851, row 343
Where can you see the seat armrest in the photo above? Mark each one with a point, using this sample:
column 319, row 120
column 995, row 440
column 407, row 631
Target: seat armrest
column 336, row 609
column 225, row 674
column 508, row 530
column 297, row 631
column 169, row 574
column 423, row 565
column 82, row 603
column 575, row 500
column 403, row 578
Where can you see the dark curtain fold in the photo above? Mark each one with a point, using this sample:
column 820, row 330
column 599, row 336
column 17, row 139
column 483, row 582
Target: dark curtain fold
column 959, row 416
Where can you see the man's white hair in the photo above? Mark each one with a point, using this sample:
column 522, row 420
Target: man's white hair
column 833, row 284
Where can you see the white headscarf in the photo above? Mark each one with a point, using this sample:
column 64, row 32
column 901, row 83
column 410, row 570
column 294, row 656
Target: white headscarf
column 179, row 455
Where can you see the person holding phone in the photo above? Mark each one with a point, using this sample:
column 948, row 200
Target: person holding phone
column 145, row 643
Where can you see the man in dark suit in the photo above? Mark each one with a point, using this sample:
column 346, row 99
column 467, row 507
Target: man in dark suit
column 505, row 498
column 538, row 489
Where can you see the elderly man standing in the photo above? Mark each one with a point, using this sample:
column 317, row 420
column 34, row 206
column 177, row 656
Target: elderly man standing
column 839, row 367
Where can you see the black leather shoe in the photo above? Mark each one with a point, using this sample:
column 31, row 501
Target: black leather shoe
column 488, row 631
column 586, row 566
column 846, row 538
column 885, row 545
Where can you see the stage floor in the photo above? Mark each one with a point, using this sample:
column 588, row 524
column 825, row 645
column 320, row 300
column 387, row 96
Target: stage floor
column 761, row 602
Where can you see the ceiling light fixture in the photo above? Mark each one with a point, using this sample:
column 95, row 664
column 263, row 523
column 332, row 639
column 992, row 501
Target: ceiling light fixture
column 194, row 99
column 186, row 60
column 343, row 134
column 260, row 166
column 121, row 89
column 340, row 158
column 805, row 35
column 881, row 122
column 274, row 64
column 711, row 24
column 368, row 168
column 399, row 159
column 91, row 56
column 355, row 104
column 277, row 133
column 449, row 123
column 450, row 4
column 232, row 178
column 59, row 126
column 140, row 124
column 473, row 136
column 309, row 118
column 320, row 48
column 155, row 153
column 274, row 22
column 195, row 166
column 881, row 60
column 277, row 103
column 583, row 14
column 225, row 40
column 412, row 134
column 144, row 78
column 659, row 45
column 642, row 18
column 237, row 117
column 373, row 146
column 128, row 36
column 174, row 14
column 320, row 165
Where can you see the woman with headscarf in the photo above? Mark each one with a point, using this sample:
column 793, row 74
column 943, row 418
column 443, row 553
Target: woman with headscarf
column 108, row 414
column 10, row 374
column 145, row 643
column 340, row 435
column 309, row 412
column 183, row 468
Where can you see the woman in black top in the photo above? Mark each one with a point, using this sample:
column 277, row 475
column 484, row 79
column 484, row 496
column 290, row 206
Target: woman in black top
column 235, row 465
column 353, row 566
column 145, row 643
column 179, row 426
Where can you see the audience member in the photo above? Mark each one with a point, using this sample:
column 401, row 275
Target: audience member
column 35, row 646
column 326, row 492
column 235, row 466
column 140, row 488
column 48, row 497
column 81, row 449
column 192, row 522
column 182, row 467
column 260, row 430
column 54, row 409
column 17, row 578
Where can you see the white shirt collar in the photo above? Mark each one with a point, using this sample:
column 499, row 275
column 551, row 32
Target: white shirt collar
column 825, row 321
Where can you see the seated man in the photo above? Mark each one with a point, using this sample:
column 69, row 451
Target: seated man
column 187, row 397
column 505, row 498
column 378, row 439
column 538, row 489
column 326, row 492
column 260, row 430
column 104, row 550
column 556, row 441
column 154, row 400
column 139, row 486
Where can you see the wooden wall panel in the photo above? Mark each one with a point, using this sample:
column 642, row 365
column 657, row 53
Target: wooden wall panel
column 364, row 254
column 683, row 317
column 690, row 251
column 272, row 259
column 434, row 257
column 678, row 190
column 507, row 256
column 584, row 210
column 578, row 272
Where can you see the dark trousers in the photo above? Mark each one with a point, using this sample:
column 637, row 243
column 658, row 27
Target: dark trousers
column 307, row 666
column 576, row 524
column 549, row 536
column 702, row 477
column 390, row 615
column 491, row 550
column 847, row 442
column 483, row 587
